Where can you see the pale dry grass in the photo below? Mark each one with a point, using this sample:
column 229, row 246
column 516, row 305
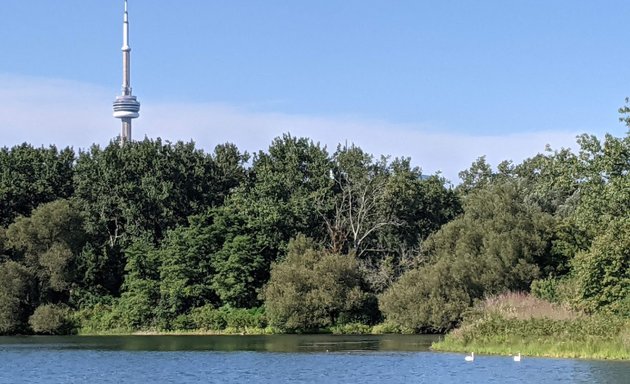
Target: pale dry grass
column 523, row 306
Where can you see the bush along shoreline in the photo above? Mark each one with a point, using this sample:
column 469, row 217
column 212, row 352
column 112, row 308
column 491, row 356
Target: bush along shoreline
column 506, row 324
column 518, row 323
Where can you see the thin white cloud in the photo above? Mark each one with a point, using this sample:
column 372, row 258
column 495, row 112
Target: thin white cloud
column 49, row 111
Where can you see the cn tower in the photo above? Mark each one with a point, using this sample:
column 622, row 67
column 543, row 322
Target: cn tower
column 126, row 106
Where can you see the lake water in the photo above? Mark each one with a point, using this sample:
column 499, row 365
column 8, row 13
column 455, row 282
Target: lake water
column 276, row 359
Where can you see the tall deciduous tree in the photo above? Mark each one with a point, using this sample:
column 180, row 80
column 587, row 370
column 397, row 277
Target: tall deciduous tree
column 140, row 297
column 262, row 215
column 495, row 246
column 186, row 269
column 144, row 189
column 48, row 242
column 357, row 216
column 17, row 297
column 240, row 272
column 31, row 176
column 603, row 272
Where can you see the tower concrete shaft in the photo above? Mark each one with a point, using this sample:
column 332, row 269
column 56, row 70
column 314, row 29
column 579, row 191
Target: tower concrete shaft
column 126, row 106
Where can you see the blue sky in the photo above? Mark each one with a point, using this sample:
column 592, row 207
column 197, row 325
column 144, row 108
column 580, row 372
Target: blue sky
column 440, row 81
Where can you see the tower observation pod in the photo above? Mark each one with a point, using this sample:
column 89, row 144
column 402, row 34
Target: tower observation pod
column 126, row 106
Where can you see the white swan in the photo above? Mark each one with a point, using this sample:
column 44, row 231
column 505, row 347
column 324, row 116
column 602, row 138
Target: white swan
column 471, row 357
column 517, row 358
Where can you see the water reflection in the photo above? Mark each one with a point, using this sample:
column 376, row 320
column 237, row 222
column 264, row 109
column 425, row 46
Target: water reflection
column 274, row 343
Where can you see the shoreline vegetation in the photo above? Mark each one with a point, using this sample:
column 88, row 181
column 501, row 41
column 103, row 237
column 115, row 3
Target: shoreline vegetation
column 156, row 237
column 507, row 324
column 515, row 323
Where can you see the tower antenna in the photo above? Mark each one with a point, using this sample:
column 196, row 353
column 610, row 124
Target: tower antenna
column 126, row 106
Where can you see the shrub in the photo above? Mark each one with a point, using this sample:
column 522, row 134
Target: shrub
column 312, row 289
column 237, row 319
column 52, row 319
column 183, row 322
column 430, row 298
column 351, row 329
column 101, row 318
column 388, row 327
column 208, row 317
column 240, row 318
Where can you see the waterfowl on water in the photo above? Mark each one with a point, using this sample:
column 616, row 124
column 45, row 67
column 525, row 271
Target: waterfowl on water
column 517, row 358
column 470, row 357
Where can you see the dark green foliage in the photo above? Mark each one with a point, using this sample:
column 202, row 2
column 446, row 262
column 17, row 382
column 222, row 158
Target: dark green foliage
column 278, row 202
column 185, row 270
column 479, row 175
column 141, row 290
column 3, row 246
column 208, row 318
column 52, row 319
column 254, row 226
column 17, row 293
column 603, row 272
column 144, row 189
column 31, row 176
column 240, row 269
column 241, row 318
column 147, row 187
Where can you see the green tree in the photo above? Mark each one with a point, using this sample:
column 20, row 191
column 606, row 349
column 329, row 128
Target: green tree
column 603, row 272
column 186, row 269
column 3, row 246
column 240, row 272
column 140, row 297
column 260, row 217
column 17, row 293
column 479, row 175
column 31, row 176
column 52, row 319
column 431, row 298
column 495, row 246
column 279, row 203
column 48, row 242
column 143, row 190
column 312, row 289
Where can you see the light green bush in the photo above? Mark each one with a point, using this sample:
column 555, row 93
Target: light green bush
column 52, row 319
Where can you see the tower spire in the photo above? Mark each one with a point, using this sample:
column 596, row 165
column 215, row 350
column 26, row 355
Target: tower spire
column 126, row 106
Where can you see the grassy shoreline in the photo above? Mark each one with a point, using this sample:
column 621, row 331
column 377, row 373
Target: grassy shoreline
column 519, row 323
column 552, row 347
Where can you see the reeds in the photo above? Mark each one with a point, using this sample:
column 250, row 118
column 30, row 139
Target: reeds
column 517, row 322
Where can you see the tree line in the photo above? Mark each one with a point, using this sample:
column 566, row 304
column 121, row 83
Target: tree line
column 160, row 235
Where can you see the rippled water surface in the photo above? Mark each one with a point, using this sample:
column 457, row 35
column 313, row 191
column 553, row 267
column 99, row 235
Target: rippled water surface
column 276, row 359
